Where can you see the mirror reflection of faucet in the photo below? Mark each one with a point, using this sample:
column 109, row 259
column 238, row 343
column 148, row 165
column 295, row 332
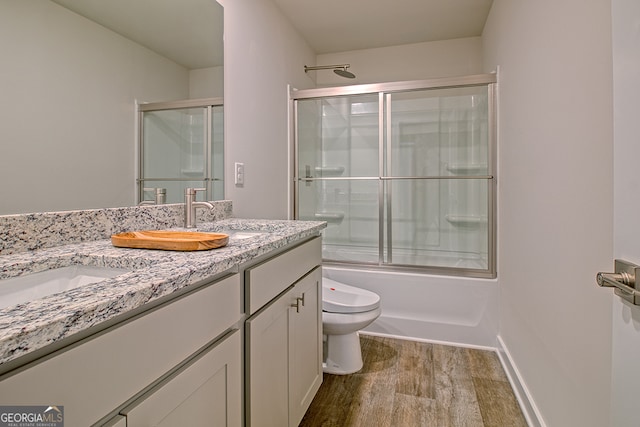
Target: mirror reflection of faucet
column 190, row 206
column 160, row 197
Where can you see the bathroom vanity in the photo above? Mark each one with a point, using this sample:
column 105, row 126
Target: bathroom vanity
column 234, row 331
column 284, row 336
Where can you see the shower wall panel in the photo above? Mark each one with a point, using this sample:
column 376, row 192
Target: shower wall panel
column 174, row 143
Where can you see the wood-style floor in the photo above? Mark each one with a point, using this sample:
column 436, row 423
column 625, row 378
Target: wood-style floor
column 407, row 383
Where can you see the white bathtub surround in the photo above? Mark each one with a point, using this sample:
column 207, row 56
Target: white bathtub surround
column 452, row 310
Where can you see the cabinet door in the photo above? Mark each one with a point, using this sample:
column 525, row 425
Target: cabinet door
column 305, row 346
column 267, row 370
column 207, row 392
column 117, row 421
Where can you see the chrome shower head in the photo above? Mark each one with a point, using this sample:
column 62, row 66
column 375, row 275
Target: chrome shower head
column 340, row 70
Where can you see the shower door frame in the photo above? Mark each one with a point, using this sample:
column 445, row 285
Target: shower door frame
column 384, row 90
column 205, row 103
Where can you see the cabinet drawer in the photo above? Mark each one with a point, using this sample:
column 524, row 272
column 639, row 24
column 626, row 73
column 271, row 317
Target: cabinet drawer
column 268, row 279
column 100, row 373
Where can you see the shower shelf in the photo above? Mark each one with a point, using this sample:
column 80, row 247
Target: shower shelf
column 329, row 170
column 466, row 167
column 329, row 216
column 192, row 172
column 465, row 220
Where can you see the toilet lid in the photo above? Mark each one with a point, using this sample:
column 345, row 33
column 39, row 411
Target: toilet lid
column 340, row 298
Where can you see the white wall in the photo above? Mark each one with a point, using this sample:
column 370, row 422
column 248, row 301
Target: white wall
column 418, row 61
column 626, row 317
column 68, row 88
column 206, row 83
column 555, row 200
column 263, row 54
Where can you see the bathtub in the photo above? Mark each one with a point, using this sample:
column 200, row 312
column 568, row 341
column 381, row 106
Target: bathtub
column 452, row 310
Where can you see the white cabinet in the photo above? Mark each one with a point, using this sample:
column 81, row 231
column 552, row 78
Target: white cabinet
column 305, row 345
column 98, row 375
column 205, row 393
column 284, row 338
column 267, row 361
column 117, row 421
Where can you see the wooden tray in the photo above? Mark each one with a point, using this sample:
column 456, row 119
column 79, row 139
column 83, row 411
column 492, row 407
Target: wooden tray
column 170, row 240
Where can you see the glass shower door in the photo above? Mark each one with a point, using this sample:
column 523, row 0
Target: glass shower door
column 180, row 147
column 216, row 171
column 338, row 157
column 437, row 180
column 403, row 177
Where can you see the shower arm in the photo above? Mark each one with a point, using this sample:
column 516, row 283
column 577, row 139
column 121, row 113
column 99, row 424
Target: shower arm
column 326, row 67
column 340, row 69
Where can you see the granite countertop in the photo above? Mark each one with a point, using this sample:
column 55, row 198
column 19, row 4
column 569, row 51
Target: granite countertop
column 153, row 274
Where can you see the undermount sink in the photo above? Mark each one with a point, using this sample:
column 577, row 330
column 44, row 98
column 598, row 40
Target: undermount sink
column 34, row 286
column 241, row 235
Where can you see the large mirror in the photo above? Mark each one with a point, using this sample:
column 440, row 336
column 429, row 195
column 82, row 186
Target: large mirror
column 73, row 72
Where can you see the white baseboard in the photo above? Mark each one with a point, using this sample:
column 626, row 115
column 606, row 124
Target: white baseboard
column 528, row 406
column 425, row 340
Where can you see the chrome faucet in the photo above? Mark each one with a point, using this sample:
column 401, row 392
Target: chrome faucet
column 160, row 197
column 190, row 206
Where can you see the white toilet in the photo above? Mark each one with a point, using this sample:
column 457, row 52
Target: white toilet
column 345, row 310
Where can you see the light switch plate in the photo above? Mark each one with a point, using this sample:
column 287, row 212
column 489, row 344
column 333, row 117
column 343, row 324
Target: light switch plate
column 239, row 173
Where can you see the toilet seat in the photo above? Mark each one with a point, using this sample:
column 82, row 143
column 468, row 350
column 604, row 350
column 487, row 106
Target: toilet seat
column 340, row 298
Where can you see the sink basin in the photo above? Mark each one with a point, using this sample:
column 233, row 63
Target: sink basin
column 241, row 235
column 38, row 285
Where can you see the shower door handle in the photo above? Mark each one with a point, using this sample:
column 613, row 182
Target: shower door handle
column 623, row 280
column 307, row 175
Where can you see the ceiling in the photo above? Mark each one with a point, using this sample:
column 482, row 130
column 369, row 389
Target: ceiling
column 331, row 26
column 182, row 30
column 187, row 31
